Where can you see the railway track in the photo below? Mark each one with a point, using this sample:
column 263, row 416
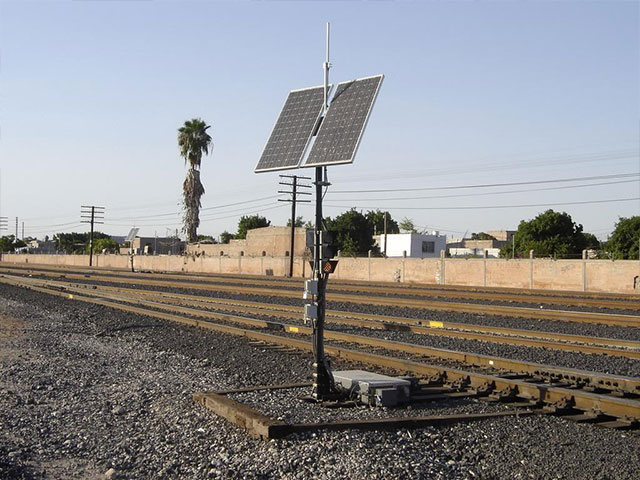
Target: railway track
column 605, row 399
column 416, row 303
column 572, row 299
column 529, row 338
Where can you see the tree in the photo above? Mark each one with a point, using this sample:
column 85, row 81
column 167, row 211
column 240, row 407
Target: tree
column 482, row 236
column 353, row 233
column 6, row 244
column 407, row 226
column 247, row 223
column 226, row 237
column 9, row 243
column 624, row 242
column 70, row 242
column 76, row 242
column 592, row 242
column 105, row 244
column 376, row 219
column 549, row 234
column 298, row 223
column 193, row 141
column 205, row 239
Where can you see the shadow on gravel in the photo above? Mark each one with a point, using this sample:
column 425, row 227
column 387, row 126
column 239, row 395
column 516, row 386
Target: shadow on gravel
column 14, row 470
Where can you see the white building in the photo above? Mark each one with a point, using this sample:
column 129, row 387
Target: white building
column 416, row 245
column 474, row 252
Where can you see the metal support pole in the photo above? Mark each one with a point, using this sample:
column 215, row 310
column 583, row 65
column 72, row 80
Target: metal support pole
column 322, row 387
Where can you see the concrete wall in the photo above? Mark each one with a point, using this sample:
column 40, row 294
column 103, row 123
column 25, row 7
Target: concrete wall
column 622, row 276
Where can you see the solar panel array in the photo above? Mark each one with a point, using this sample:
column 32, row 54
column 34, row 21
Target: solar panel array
column 293, row 130
column 342, row 128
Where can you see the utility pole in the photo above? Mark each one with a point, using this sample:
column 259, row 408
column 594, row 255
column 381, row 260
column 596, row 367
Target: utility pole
column 385, row 234
column 16, row 229
column 294, row 199
column 91, row 214
column 4, row 221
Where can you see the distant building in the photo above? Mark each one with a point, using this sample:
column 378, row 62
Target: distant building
column 466, row 247
column 38, row 246
column 156, row 246
column 473, row 252
column 502, row 235
column 415, row 245
column 272, row 241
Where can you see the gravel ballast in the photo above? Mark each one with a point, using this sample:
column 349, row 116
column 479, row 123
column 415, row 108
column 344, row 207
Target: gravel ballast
column 91, row 392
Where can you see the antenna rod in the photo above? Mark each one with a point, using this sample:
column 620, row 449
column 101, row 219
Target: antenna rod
column 326, row 66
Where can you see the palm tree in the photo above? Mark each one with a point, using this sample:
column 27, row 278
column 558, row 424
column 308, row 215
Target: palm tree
column 193, row 141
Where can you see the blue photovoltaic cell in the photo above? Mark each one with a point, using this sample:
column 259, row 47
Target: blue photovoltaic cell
column 293, row 130
column 341, row 129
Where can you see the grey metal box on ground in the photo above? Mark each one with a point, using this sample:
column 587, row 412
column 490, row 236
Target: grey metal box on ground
column 342, row 128
column 293, row 130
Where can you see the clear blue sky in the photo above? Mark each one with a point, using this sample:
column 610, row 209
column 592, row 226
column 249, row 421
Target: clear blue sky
column 92, row 94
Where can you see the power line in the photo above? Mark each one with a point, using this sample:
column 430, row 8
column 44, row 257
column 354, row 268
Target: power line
column 489, row 185
column 267, row 207
column 249, row 213
column 524, row 163
column 31, row 231
column 271, row 197
column 52, row 225
column 489, row 193
column 487, row 207
column 145, row 221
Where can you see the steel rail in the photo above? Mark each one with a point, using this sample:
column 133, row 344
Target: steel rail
column 562, row 342
column 577, row 300
column 627, row 410
column 611, row 346
column 618, row 383
column 296, row 312
column 484, row 309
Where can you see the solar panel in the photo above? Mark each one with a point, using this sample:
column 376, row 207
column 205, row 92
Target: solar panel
column 292, row 133
column 132, row 235
column 342, row 128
